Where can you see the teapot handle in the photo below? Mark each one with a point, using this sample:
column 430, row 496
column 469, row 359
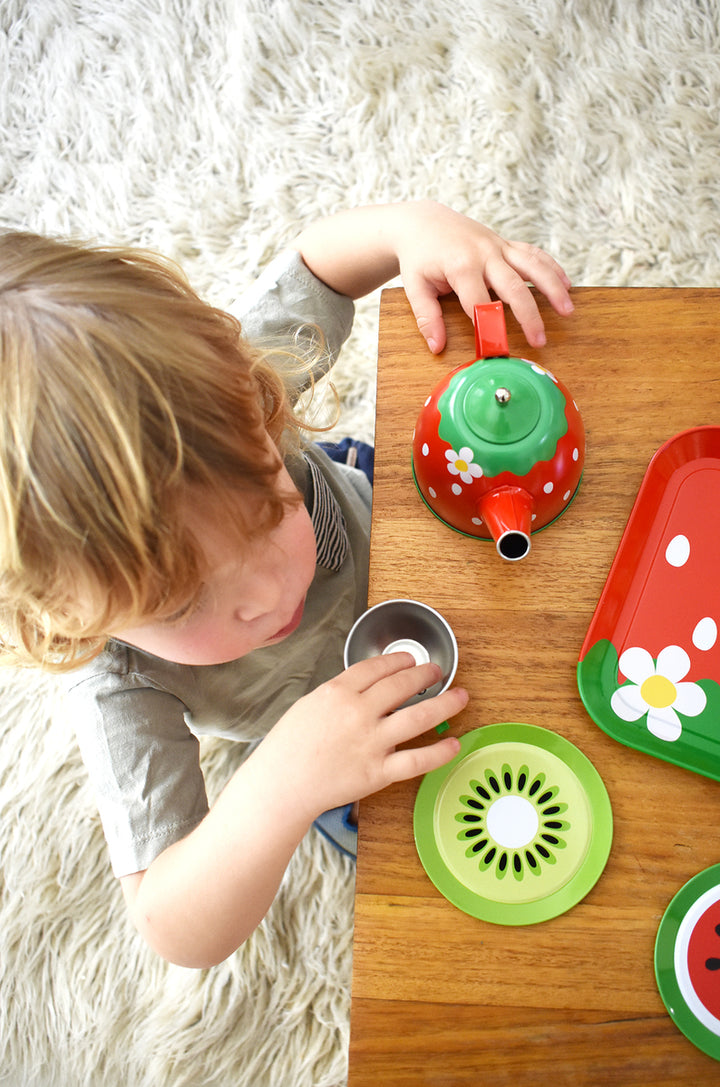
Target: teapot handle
column 490, row 332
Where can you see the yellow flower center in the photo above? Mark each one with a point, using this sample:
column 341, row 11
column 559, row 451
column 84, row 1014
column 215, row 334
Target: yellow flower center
column 461, row 465
column 658, row 692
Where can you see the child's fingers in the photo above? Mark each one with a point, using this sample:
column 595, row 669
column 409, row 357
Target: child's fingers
column 369, row 673
column 416, row 761
column 512, row 289
column 413, row 721
column 423, row 299
column 391, row 691
column 507, row 270
column 532, row 261
column 540, row 269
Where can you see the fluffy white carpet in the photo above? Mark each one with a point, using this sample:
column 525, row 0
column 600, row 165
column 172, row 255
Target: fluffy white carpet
column 213, row 130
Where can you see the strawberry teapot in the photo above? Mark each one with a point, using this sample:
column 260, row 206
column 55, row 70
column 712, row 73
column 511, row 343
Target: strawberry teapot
column 499, row 444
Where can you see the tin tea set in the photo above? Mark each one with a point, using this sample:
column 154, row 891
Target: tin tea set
column 517, row 828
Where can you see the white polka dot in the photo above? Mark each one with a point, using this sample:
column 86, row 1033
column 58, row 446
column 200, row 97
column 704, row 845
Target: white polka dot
column 425, row 449
column 428, row 400
column 576, row 454
column 548, row 488
column 432, row 492
column 456, row 488
column 476, row 520
column 705, row 634
column 566, row 495
column 534, row 517
column 677, row 551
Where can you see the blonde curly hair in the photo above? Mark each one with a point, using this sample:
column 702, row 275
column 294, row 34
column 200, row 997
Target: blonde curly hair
column 119, row 387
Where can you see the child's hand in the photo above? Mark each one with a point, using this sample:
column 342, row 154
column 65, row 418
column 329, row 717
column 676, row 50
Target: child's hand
column 441, row 251
column 339, row 743
column 206, row 893
column 436, row 251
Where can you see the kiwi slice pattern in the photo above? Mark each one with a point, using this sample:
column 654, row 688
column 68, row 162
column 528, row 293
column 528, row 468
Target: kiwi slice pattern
column 517, row 828
column 544, row 815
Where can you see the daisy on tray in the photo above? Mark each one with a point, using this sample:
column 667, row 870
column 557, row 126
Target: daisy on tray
column 657, row 690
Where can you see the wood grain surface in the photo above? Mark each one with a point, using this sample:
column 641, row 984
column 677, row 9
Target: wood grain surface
column 441, row 998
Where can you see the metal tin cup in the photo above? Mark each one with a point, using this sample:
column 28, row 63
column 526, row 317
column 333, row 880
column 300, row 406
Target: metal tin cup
column 410, row 626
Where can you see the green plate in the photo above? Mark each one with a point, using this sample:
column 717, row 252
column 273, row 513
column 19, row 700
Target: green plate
column 687, row 960
column 517, row 828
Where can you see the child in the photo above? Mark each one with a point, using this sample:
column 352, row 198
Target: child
column 170, row 543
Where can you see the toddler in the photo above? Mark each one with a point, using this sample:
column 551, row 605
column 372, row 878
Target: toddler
column 172, row 544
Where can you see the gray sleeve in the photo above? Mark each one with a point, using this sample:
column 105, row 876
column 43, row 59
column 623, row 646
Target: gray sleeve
column 288, row 303
column 143, row 762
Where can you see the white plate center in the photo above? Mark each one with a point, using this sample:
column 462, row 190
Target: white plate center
column 513, row 821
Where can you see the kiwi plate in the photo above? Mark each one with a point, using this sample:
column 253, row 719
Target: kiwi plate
column 517, row 828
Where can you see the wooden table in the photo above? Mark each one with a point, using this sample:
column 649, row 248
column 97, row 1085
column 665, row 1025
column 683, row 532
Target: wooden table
column 440, row 998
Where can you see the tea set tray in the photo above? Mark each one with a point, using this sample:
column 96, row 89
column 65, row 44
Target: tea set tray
column 649, row 668
column 517, row 828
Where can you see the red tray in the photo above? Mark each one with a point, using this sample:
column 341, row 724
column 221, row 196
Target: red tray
column 649, row 669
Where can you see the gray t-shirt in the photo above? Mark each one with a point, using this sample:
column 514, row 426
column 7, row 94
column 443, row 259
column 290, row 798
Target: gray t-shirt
column 137, row 717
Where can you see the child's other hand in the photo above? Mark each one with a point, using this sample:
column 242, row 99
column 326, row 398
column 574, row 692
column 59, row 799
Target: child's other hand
column 441, row 251
column 340, row 742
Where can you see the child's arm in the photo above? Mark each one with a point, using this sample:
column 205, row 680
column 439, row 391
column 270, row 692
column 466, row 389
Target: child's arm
column 436, row 251
column 204, row 895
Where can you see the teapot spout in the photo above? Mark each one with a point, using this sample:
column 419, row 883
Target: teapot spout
column 507, row 512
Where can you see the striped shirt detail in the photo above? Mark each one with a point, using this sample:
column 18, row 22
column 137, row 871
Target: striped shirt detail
column 328, row 523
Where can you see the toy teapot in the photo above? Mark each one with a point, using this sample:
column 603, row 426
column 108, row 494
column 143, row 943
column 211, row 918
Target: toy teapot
column 499, row 445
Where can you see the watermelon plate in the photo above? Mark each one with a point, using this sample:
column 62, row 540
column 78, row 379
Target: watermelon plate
column 687, row 960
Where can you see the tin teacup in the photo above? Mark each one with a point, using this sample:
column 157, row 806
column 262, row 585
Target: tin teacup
column 409, row 626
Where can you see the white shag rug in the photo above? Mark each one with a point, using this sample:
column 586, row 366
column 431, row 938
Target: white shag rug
column 213, row 130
